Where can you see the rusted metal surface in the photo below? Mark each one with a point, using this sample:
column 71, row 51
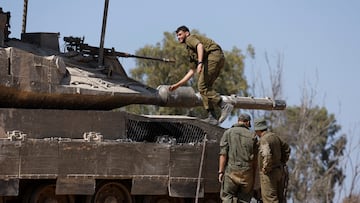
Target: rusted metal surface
column 48, row 153
column 42, row 77
column 75, row 185
column 54, row 148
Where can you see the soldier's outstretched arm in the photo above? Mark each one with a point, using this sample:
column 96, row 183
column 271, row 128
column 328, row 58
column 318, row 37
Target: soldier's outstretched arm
column 186, row 78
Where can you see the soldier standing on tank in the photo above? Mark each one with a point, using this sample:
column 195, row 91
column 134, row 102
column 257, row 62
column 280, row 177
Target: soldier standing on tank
column 208, row 59
column 272, row 157
column 237, row 162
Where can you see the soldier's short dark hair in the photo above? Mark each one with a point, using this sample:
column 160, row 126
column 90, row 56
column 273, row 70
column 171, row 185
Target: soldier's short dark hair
column 182, row 28
column 244, row 117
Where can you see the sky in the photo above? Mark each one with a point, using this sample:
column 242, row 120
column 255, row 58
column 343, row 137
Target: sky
column 319, row 41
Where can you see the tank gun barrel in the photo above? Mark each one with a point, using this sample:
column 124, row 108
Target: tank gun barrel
column 186, row 97
column 254, row 103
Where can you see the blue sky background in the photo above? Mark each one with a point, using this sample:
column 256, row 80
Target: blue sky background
column 318, row 40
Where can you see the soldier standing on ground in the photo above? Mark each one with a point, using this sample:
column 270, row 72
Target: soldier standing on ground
column 272, row 157
column 237, row 162
column 208, row 59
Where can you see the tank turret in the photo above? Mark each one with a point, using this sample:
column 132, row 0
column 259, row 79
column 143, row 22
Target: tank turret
column 35, row 74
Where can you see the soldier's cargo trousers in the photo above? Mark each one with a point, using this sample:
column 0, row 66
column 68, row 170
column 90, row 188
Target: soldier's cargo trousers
column 237, row 187
column 207, row 77
column 272, row 186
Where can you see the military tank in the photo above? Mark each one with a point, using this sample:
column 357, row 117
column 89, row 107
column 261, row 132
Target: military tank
column 74, row 80
column 60, row 141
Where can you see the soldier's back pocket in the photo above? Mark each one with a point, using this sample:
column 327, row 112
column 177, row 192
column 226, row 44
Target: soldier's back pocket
column 243, row 178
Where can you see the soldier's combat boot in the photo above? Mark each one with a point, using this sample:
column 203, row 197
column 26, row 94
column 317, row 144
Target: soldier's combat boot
column 211, row 119
column 226, row 109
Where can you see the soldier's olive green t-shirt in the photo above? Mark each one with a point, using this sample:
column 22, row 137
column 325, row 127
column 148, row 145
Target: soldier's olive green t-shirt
column 239, row 145
column 209, row 46
column 273, row 151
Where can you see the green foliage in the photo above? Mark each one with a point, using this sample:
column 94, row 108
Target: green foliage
column 232, row 80
column 316, row 151
column 153, row 73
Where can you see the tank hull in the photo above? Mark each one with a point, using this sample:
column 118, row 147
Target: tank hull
column 77, row 150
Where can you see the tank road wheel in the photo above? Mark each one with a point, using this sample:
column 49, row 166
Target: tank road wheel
column 112, row 192
column 162, row 199
column 46, row 194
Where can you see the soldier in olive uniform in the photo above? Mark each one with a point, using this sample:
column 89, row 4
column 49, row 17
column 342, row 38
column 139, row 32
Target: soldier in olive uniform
column 272, row 157
column 208, row 60
column 237, row 162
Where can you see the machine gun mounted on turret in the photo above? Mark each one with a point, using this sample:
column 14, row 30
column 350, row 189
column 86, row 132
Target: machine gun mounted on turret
column 77, row 44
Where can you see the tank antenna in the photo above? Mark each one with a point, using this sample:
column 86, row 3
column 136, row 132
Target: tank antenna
column 101, row 50
column 24, row 16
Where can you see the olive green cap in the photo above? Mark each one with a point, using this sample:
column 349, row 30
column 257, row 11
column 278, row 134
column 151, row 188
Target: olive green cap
column 260, row 124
